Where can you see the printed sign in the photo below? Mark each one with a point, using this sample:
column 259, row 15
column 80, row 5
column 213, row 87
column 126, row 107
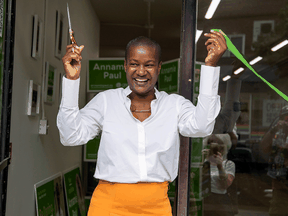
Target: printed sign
column 74, row 193
column 168, row 79
column 87, row 202
column 91, row 149
column 196, row 208
column 91, row 181
column 195, row 179
column 196, row 154
column 271, row 110
column 196, row 82
column 106, row 74
column 172, row 187
column 50, row 197
column 200, row 181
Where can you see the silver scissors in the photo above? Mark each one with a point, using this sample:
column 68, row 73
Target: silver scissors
column 70, row 28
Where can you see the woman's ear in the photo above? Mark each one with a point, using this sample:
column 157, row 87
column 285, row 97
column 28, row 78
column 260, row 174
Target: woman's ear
column 125, row 65
column 159, row 67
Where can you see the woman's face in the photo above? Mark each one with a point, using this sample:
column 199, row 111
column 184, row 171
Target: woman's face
column 142, row 68
column 215, row 145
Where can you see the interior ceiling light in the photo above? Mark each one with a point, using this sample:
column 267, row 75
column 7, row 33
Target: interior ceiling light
column 279, row 46
column 212, row 8
column 198, row 35
column 239, row 70
column 226, row 78
column 254, row 61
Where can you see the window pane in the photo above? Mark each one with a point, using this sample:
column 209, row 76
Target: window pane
column 251, row 131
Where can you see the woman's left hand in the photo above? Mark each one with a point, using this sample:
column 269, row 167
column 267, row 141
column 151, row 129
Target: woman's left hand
column 216, row 47
column 218, row 159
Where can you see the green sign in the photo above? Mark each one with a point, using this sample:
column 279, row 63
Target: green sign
column 196, row 82
column 195, row 179
column 106, row 74
column 87, row 202
column 172, row 187
column 50, row 197
column 196, row 154
column 196, row 208
column 91, row 149
column 200, row 181
column 168, row 79
column 74, row 193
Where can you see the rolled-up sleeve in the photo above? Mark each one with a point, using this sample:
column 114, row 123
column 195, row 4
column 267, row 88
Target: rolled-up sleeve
column 77, row 127
column 199, row 121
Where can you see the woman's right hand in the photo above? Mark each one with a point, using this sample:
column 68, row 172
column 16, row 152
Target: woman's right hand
column 72, row 61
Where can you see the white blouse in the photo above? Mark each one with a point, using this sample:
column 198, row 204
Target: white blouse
column 216, row 182
column 130, row 150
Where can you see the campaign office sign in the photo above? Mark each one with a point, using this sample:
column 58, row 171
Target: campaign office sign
column 75, row 198
column 168, row 79
column 91, row 149
column 106, row 73
column 50, row 197
column 271, row 110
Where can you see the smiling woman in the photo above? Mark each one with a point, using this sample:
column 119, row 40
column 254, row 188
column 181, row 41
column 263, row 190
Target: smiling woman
column 142, row 66
column 134, row 164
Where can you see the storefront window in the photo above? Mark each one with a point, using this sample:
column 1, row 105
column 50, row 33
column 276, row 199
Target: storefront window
column 253, row 123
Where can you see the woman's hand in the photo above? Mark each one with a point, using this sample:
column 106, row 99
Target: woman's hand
column 216, row 47
column 72, row 61
column 216, row 159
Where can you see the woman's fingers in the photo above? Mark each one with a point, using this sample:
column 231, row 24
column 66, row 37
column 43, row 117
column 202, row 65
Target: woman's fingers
column 74, row 48
column 216, row 46
column 68, row 57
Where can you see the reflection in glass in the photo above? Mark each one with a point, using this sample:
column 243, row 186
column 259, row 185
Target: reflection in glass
column 249, row 106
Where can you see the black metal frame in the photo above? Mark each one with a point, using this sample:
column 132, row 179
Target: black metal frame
column 187, row 59
column 7, row 96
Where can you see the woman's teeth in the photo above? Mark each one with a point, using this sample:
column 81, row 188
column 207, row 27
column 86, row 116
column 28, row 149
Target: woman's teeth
column 141, row 80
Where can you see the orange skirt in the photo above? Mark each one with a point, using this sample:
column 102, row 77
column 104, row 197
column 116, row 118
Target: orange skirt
column 127, row 199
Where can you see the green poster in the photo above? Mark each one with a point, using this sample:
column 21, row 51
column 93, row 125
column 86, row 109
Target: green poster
column 195, row 179
column 50, row 197
column 74, row 193
column 196, row 154
column 196, row 82
column 196, row 210
column 172, row 189
column 168, row 79
column 200, row 181
column 91, row 181
column 91, row 149
column 87, row 202
column 106, row 74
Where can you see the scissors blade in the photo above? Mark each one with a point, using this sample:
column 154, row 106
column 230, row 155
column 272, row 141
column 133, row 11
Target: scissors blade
column 69, row 21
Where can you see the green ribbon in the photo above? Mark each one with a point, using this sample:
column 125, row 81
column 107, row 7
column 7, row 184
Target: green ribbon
column 234, row 50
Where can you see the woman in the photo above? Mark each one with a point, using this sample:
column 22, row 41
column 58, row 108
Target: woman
column 222, row 172
column 139, row 148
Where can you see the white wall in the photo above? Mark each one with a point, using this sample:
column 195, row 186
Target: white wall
column 36, row 157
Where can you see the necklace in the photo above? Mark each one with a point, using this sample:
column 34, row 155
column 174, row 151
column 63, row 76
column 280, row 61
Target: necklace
column 133, row 109
column 142, row 110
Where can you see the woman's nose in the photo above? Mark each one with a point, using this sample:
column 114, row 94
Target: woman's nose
column 141, row 69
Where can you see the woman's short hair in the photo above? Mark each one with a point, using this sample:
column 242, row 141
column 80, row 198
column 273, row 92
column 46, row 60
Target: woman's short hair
column 224, row 138
column 143, row 41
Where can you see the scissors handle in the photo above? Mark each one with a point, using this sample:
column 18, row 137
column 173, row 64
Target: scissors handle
column 72, row 38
